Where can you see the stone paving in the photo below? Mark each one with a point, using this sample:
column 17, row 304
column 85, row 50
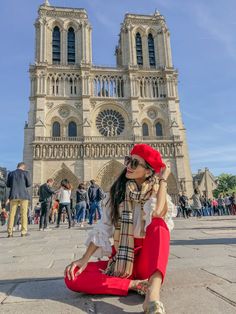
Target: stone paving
column 201, row 275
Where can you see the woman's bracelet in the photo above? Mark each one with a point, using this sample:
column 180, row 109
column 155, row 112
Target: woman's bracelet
column 162, row 179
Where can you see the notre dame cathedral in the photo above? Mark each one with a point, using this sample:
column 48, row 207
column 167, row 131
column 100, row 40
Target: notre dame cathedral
column 83, row 119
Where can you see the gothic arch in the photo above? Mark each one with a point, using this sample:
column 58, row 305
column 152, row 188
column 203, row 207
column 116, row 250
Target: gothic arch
column 172, row 187
column 163, row 124
column 152, row 31
column 53, row 114
column 108, row 174
column 73, row 24
column 148, row 122
column 65, row 173
column 141, row 30
column 58, row 22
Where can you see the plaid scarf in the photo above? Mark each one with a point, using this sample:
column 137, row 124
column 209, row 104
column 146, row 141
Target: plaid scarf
column 121, row 265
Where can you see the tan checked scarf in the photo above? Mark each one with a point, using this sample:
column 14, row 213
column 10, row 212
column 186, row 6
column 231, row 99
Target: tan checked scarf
column 121, row 265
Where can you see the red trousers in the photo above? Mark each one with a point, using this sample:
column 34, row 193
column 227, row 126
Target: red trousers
column 150, row 255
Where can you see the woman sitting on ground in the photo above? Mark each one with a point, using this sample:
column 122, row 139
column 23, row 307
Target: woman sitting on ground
column 138, row 216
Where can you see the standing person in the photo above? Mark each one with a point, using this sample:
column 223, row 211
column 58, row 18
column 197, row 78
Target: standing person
column 45, row 197
column 221, row 205
column 214, row 205
column 183, row 201
column 95, row 195
column 54, row 211
column 227, row 203
column 233, row 203
column 197, row 205
column 37, row 210
column 64, row 195
column 18, row 181
column 3, row 215
column 137, row 217
column 82, row 202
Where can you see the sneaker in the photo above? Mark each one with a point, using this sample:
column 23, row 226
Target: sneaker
column 57, row 226
column 82, row 225
column 14, row 229
column 40, row 229
column 10, row 235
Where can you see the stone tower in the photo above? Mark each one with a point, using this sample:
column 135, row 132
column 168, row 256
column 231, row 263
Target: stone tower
column 84, row 119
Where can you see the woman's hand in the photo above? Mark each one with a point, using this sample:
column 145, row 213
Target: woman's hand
column 69, row 271
column 164, row 173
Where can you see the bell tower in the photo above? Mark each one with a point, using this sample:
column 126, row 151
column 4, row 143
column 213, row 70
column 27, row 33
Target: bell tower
column 144, row 42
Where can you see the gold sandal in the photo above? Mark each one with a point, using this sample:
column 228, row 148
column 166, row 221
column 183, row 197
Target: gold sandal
column 155, row 307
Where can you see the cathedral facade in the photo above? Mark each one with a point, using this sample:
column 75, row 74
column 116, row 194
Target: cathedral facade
column 84, row 119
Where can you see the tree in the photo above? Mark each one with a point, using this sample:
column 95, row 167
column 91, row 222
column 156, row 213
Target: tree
column 226, row 184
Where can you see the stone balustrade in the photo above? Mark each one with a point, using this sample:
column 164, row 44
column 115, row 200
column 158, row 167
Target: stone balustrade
column 79, row 150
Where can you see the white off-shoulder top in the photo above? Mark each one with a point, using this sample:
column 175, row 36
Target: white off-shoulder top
column 102, row 233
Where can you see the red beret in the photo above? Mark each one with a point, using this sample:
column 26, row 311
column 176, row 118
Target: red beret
column 150, row 155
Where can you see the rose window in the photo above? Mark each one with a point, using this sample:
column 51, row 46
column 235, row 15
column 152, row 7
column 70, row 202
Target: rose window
column 110, row 123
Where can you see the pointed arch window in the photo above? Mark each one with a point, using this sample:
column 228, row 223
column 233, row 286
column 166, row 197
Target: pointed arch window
column 56, row 129
column 72, row 129
column 145, row 129
column 151, row 51
column 159, row 129
column 56, row 45
column 71, row 46
column 139, row 49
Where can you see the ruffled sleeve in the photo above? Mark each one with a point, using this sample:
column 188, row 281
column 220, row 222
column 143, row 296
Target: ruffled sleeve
column 150, row 206
column 102, row 232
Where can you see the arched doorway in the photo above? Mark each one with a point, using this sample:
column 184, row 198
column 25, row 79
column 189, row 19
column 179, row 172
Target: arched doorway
column 65, row 173
column 172, row 188
column 108, row 174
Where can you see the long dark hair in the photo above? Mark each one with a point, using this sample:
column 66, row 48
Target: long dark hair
column 117, row 195
column 66, row 184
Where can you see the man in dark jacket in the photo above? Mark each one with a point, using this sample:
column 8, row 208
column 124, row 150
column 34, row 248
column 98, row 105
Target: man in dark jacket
column 95, row 195
column 183, row 202
column 45, row 197
column 18, row 181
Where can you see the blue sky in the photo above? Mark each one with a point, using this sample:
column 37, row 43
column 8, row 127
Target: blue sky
column 203, row 40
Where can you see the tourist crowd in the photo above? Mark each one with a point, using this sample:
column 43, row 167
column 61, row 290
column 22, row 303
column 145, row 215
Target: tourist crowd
column 199, row 205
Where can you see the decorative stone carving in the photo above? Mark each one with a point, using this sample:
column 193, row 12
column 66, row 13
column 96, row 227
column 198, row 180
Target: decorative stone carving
column 93, row 104
column 173, row 123
column 141, row 106
column 152, row 113
column 64, row 112
column 78, row 105
column 81, row 149
column 136, row 123
column 86, row 123
column 49, row 105
column 110, row 122
column 164, row 107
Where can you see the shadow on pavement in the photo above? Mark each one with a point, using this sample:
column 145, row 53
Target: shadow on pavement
column 223, row 241
column 53, row 289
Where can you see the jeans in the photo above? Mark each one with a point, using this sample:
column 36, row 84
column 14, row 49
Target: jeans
column 44, row 215
column 80, row 211
column 68, row 210
column 93, row 207
column 198, row 212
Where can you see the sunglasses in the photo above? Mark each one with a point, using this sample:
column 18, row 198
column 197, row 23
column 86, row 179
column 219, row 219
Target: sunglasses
column 134, row 163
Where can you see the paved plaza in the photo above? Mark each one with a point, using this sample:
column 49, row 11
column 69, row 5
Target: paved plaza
column 201, row 275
